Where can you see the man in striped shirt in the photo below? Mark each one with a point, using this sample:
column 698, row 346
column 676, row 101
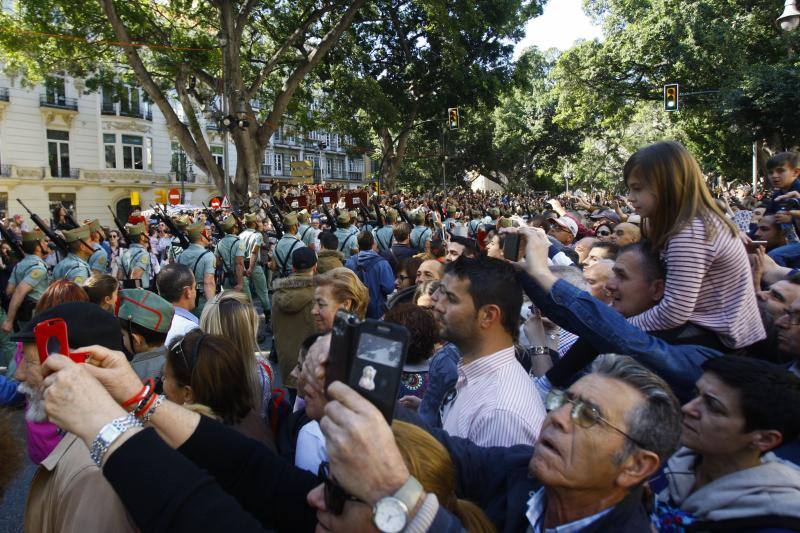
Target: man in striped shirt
column 494, row 402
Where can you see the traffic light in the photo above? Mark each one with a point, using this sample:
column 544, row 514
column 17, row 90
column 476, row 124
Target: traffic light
column 161, row 196
column 671, row 97
column 453, row 118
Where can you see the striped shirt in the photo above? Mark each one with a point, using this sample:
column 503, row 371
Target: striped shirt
column 496, row 403
column 709, row 284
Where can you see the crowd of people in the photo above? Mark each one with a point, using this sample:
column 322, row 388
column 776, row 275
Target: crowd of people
column 590, row 364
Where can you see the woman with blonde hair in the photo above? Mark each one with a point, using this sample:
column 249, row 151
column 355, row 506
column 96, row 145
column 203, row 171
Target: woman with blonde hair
column 338, row 289
column 232, row 315
column 428, row 461
column 709, row 284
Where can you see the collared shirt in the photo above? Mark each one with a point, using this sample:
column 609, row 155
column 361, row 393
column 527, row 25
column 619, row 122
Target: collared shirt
column 536, row 510
column 495, row 402
column 182, row 323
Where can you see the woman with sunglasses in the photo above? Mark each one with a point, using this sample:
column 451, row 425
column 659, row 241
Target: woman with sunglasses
column 116, row 250
column 604, row 232
column 207, row 373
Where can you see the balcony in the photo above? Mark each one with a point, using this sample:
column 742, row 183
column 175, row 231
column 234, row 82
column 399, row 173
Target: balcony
column 4, row 94
column 58, row 102
column 65, row 173
column 114, row 109
column 356, row 175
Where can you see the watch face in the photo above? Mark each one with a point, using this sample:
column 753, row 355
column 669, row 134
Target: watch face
column 109, row 433
column 390, row 515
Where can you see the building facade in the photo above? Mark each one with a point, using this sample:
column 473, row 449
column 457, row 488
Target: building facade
column 60, row 143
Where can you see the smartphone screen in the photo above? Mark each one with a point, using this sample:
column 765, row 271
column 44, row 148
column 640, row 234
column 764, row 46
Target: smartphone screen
column 380, row 350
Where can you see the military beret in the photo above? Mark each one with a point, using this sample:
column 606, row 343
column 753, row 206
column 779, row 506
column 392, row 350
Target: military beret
column 145, row 308
column 194, row 230
column 343, row 218
column 136, row 229
column 250, row 218
column 94, row 225
column 228, row 222
column 290, row 219
column 73, row 235
column 35, row 235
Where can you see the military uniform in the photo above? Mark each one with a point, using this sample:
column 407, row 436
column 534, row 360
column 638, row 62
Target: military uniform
column 228, row 249
column 420, row 234
column 256, row 283
column 346, row 235
column 306, row 232
column 384, row 237
column 474, row 224
column 98, row 261
column 33, row 271
column 73, row 267
column 285, row 247
column 175, row 248
column 202, row 263
column 136, row 256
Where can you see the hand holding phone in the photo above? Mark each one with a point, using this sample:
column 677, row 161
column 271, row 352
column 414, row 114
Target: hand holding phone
column 51, row 337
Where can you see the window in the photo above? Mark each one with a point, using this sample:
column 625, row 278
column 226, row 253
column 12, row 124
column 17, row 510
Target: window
column 55, row 90
column 148, row 153
column 67, row 199
column 339, row 166
column 219, row 156
column 108, row 106
column 129, row 101
column 58, row 153
column 328, row 167
column 278, row 164
column 110, row 145
column 3, row 204
column 132, row 152
column 278, row 135
column 292, row 159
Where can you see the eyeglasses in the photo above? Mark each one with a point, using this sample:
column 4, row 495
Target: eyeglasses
column 583, row 413
column 793, row 316
column 335, row 495
column 178, row 349
column 603, row 233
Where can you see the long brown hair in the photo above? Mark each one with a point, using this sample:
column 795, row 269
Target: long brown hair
column 675, row 178
column 430, row 463
column 60, row 292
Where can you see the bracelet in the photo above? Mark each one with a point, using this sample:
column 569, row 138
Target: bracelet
column 142, row 394
column 141, row 410
column 156, row 404
column 148, row 394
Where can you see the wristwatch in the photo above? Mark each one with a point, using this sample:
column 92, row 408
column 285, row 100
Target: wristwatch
column 390, row 514
column 109, row 433
column 540, row 350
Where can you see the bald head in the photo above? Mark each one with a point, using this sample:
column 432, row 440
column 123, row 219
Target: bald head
column 596, row 277
column 583, row 246
column 625, row 234
column 430, row 270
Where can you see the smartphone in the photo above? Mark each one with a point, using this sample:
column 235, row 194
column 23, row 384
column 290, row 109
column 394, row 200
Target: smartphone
column 511, row 247
column 369, row 356
column 752, row 246
column 51, row 337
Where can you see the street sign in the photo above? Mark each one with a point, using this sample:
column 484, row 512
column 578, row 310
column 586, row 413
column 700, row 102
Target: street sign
column 215, row 202
column 174, row 196
column 225, row 203
column 303, row 168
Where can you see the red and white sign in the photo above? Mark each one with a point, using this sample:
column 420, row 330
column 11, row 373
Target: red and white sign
column 225, row 203
column 174, row 196
column 215, row 202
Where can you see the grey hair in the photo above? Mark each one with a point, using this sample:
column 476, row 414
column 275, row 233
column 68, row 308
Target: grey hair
column 570, row 274
column 656, row 423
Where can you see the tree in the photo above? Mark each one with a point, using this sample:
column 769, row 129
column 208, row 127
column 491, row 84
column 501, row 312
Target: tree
column 406, row 61
column 190, row 52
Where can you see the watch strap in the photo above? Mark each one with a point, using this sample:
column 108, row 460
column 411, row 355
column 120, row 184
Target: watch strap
column 410, row 493
column 100, row 444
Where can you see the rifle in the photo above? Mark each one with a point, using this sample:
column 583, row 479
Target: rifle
column 378, row 215
column 120, row 227
column 173, row 229
column 366, row 214
column 52, row 235
column 331, row 220
column 403, row 215
column 210, row 215
column 16, row 247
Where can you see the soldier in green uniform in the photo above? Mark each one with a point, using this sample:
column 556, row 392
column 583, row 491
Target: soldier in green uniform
column 230, row 251
column 175, row 249
column 421, row 233
column 347, row 235
column 281, row 262
column 135, row 267
column 305, row 230
column 74, row 267
column 98, row 261
column 28, row 280
column 495, row 214
column 474, row 224
column 203, row 264
column 450, row 221
column 384, row 237
column 255, row 281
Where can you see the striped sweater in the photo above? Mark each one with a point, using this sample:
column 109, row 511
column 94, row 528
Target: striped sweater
column 709, row 284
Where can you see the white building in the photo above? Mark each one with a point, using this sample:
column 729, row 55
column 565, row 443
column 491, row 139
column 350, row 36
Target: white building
column 60, row 143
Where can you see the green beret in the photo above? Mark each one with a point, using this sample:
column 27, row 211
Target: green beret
column 343, row 218
column 451, row 210
column 182, row 221
column 290, row 219
column 494, row 212
column 136, row 229
column 418, row 218
column 195, row 230
column 249, row 218
column 35, row 235
column 391, row 214
column 74, row 235
column 145, row 308
column 94, row 226
column 228, row 222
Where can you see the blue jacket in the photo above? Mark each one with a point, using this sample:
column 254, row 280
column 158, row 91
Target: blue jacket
column 497, row 480
column 609, row 332
column 8, row 392
column 442, row 376
column 375, row 272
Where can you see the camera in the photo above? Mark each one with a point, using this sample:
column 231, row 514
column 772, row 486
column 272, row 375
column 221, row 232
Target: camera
column 790, row 204
column 369, row 356
column 51, row 337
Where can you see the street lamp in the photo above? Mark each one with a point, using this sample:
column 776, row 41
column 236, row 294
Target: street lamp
column 790, row 18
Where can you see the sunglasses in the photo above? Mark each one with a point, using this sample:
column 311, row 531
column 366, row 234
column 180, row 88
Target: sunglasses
column 335, row 495
column 603, row 233
column 583, row 413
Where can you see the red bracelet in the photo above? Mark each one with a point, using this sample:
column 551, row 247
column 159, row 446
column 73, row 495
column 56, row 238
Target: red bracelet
column 139, row 412
column 148, row 385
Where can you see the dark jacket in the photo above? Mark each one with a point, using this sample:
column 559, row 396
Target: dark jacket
column 442, row 376
column 397, row 253
column 197, row 488
column 374, row 272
